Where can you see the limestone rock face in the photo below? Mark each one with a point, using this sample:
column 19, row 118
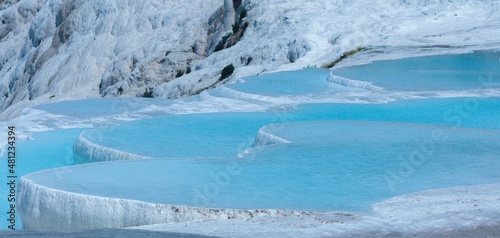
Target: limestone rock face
column 226, row 26
column 53, row 50
column 7, row 3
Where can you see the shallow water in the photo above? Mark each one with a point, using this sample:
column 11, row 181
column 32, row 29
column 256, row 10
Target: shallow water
column 300, row 82
column 228, row 134
column 327, row 166
column 45, row 150
column 341, row 157
column 443, row 72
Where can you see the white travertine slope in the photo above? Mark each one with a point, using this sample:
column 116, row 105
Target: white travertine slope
column 55, row 50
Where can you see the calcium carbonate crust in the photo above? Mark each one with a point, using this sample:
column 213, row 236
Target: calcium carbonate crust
column 46, row 208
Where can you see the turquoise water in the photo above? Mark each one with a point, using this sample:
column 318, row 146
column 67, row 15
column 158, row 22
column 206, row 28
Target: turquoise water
column 50, row 149
column 301, row 82
column 227, row 134
column 341, row 157
column 193, row 135
column 358, row 162
column 329, row 166
column 443, row 72
column 462, row 112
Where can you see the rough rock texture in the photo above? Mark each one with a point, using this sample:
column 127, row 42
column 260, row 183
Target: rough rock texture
column 55, row 50
column 61, row 214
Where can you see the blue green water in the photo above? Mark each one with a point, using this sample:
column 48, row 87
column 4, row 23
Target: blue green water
column 227, row 134
column 306, row 81
column 343, row 157
column 443, row 72
column 371, row 152
column 329, row 166
column 50, row 149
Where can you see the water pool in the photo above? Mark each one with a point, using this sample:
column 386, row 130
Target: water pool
column 315, row 156
column 443, row 72
column 227, row 134
column 324, row 166
column 45, row 150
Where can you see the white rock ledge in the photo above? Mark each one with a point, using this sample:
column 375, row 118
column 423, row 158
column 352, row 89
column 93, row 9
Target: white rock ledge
column 264, row 138
column 352, row 83
column 42, row 207
column 85, row 151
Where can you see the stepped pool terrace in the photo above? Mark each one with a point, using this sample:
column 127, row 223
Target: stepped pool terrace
column 283, row 150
